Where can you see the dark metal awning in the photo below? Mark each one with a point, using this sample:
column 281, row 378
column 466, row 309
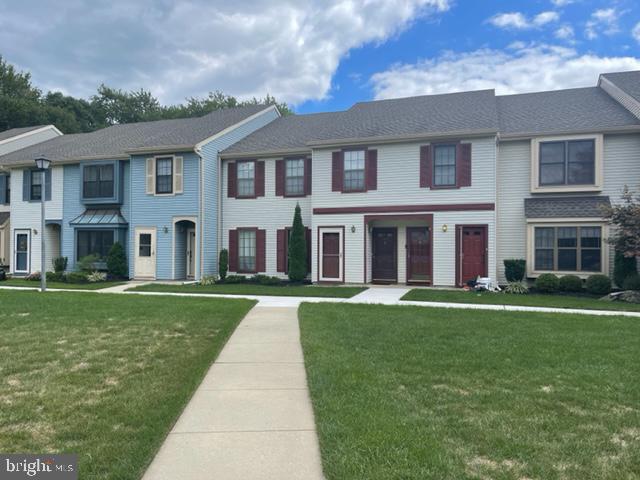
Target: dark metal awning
column 100, row 217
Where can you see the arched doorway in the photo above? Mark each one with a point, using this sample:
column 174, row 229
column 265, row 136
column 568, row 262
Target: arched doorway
column 185, row 250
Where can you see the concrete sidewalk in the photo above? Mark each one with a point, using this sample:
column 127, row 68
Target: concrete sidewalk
column 251, row 418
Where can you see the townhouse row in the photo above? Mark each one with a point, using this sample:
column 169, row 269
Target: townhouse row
column 431, row 190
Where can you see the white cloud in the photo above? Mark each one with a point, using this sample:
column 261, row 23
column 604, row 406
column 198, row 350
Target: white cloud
column 604, row 20
column 522, row 69
column 562, row 3
column 565, row 32
column 289, row 48
column 636, row 32
column 518, row 21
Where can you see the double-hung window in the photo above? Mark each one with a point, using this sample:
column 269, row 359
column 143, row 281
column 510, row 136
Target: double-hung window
column 164, row 175
column 247, row 251
column 354, row 171
column 35, row 188
column 444, row 165
column 246, row 179
column 94, row 242
column 97, row 181
column 570, row 162
column 294, row 176
column 568, row 248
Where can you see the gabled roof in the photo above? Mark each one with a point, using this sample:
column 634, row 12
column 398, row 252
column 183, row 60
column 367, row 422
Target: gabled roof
column 628, row 82
column 16, row 132
column 119, row 141
column 427, row 115
column 561, row 111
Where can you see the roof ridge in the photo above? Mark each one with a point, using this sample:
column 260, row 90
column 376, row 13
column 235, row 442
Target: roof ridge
column 548, row 91
column 430, row 95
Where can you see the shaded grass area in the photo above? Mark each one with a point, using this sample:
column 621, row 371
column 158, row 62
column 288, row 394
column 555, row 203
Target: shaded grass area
column 103, row 376
column 415, row 393
column 21, row 282
column 253, row 289
column 529, row 300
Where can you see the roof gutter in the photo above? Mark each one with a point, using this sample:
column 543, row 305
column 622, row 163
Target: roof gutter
column 555, row 133
column 400, row 138
column 266, row 153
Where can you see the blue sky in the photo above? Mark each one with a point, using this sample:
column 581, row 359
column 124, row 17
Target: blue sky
column 319, row 55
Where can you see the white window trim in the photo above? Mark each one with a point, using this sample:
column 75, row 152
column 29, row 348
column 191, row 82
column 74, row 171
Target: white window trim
column 566, row 222
column 535, row 165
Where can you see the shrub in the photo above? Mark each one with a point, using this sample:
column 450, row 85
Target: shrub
column 598, row 284
column 208, row 280
column 87, row 264
column 516, row 288
column 223, row 263
column 514, row 269
column 33, row 277
column 297, row 249
column 570, row 283
column 547, row 283
column 117, row 261
column 623, row 267
column 632, row 282
column 3, row 275
column 76, row 277
column 95, row 277
column 55, row 277
column 235, row 279
column 265, row 280
column 60, row 264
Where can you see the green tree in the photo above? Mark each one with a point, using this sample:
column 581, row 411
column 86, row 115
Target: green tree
column 117, row 261
column 297, row 249
column 223, row 263
column 625, row 217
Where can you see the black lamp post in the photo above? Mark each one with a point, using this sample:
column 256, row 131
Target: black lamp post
column 42, row 163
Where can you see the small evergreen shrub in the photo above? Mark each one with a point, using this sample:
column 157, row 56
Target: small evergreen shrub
column 3, row 275
column 87, row 264
column 117, row 265
column 516, row 288
column 76, row 277
column 265, row 280
column 570, row 283
column 297, row 249
column 514, row 269
column 235, row 279
column 55, row 277
column 60, row 264
column 623, row 267
column 223, row 263
column 598, row 284
column 547, row 283
column 632, row 282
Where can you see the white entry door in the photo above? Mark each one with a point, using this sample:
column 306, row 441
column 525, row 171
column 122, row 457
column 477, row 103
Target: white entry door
column 22, row 251
column 191, row 253
column 145, row 264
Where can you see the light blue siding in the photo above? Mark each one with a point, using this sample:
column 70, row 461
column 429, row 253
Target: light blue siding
column 211, row 184
column 159, row 211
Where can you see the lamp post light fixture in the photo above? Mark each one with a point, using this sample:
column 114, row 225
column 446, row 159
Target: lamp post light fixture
column 42, row 164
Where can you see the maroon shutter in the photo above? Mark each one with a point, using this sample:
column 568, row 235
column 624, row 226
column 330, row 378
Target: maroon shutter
column 307, row 232
column 232, row 181
column 281, row 250
column 464, row 164
column 261, row 244
column 259, row 179
column 307, row 176
column 233, row 250
column 279, row 178
column 372, row 170
column 337, row 171
column 426, row 167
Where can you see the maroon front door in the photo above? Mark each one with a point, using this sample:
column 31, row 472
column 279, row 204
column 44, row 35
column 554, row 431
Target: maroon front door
column 472, row 255
column 418, row 255
column 331, row 255
column 384, row 255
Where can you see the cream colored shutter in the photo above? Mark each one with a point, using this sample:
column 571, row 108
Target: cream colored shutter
column 177, row 175
column 151, row 176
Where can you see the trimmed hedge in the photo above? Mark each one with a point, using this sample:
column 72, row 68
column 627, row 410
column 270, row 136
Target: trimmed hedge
column 598, row 284
column 547, row 283
column 570, row 283
column 514, row 269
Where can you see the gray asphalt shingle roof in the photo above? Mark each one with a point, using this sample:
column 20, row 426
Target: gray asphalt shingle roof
column 13, row 132
column 576, row 109
column 117, row 140
column 424, row 115
column 628, row 82
column 565, row 207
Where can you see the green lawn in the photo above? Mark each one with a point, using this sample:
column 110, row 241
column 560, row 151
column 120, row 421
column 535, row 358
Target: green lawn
column 530, row 299
column 103, row 376
column 252, row 289
column 415, row 393
column 21, row 282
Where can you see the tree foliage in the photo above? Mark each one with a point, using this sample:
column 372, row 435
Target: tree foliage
column 23, row 105
column 625, row 217
column 297, row 249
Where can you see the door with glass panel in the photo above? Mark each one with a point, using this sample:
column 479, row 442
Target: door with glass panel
column 22, row 249
column 145, row 258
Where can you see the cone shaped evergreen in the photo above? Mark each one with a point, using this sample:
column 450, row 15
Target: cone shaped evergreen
column 297, row 249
